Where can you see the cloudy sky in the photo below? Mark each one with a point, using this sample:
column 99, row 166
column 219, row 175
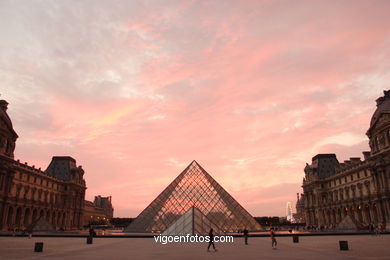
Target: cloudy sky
column 135, row 90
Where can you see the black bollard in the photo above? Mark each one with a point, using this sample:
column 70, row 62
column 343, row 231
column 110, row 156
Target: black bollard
column 38, row 247
column 89, row 240
column 295, row 239
column 343, row 245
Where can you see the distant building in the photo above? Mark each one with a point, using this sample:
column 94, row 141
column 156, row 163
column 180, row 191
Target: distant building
column 299, row 216
column 28, row 194
column 100, row 210
column 355, row 188
column 289, row 212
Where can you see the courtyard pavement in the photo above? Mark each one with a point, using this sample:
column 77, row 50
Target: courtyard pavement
column 313, row 248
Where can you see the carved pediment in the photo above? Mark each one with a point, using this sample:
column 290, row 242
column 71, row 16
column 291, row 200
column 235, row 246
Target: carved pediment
column 382, row 120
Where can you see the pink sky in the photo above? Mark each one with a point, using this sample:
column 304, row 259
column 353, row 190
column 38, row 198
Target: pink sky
column 136, row 90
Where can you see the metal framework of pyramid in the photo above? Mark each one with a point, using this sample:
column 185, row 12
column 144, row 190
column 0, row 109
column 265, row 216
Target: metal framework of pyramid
column 192, row 222
column 41, row 225
column 347, row 223
column 194, row 187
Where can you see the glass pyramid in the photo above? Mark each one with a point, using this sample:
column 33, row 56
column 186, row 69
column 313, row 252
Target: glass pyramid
column 194, row 187
column 192, row 222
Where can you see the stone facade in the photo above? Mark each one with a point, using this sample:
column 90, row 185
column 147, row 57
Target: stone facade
column 28, row 194
column 100, row 210
column 355, row 188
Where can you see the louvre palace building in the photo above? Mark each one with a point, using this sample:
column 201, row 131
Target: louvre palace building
column 357, row 188
column 28, row 194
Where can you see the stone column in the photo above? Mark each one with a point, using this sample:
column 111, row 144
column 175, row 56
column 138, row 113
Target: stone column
column 313, row 217
column 59, row 219
column 14, row 211
column 356, row 214
column 4, row 214
column 67, row 220
column 382, row 212
column 360, row 212
column 1, row 181
column 374, row 214
column 30, row 217
column 386, row 204
column 8, row 176
column 340, row 214
column 21, row 221
column 320, row 218
column 387, row 207
column 332, row 218
column 53, row 218
column 364, row 214
column 385, row 183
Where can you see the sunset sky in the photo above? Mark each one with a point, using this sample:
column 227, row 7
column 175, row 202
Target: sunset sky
column 136, row 90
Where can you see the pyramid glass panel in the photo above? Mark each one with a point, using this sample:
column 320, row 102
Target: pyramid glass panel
column 192, row 222
column 194, row 187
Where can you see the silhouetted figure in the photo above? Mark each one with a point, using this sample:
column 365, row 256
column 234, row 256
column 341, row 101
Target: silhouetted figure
column 92, row 232
column 211, row 242
column 371, row 227
column 377, row 230
column 273, row 239
column 246, row 234
column 382, row 228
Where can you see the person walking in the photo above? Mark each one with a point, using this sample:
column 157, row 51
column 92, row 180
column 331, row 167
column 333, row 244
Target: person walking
column 211, row 241
column 273, row 239
column 377, row 231
column 246, row 234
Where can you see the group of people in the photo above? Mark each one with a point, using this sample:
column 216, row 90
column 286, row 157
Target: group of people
column 245, row 232
column 274, row 243
column 377, row 230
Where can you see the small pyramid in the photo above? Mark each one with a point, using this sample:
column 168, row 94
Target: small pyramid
column 347, row 224
column 194, row 187
column 41, row 225
column 193, row 222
